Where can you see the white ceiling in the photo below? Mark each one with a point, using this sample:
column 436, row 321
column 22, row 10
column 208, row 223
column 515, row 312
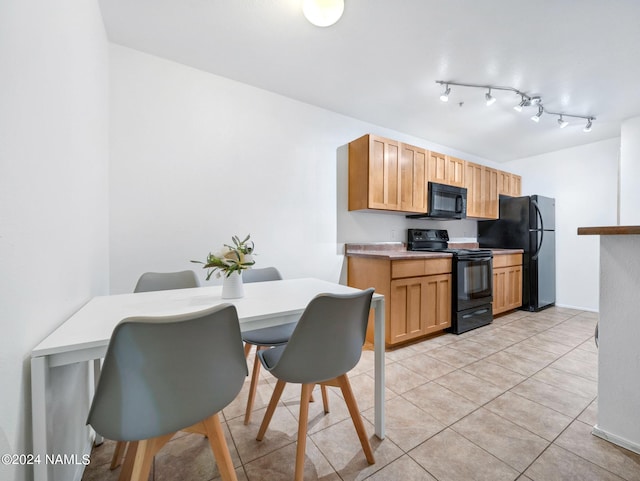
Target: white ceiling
column 379, row 63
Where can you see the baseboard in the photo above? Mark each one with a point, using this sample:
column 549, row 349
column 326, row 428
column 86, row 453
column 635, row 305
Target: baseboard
column 578, row 308
column 612, row 438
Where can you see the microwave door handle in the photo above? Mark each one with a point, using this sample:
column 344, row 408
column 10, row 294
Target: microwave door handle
column 459, row 204
column 541, row 230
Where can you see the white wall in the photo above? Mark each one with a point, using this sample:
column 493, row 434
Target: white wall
column 584, row 182
column 53, row 201
column 630, row 172
column 197, row 158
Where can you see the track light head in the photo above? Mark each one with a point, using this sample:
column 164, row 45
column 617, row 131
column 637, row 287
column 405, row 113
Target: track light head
column 523, row 103
column 489, row 98
column 587, row 128
column 536, row 117
column 562, row 123
column 445, row 95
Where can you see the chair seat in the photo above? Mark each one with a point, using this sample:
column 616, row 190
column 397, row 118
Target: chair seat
column 270, row 357
column 269, row 336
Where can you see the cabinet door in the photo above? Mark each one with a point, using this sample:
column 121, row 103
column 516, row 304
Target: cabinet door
column 516, row 185
column 507, row 289
column 473, row 183
column 384, row 174
column 455, row 171
column 419, row 306
column 413, row 184
column 437, row 169
column 504, row 183
column 490, row 205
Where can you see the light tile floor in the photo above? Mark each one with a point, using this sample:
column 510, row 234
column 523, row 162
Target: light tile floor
column 513, row 400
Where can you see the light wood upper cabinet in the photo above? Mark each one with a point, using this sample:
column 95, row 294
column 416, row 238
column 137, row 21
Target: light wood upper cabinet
column 482, row 191
column 509, row 184
column 413, row 173
column 455, row 171
column 437, row 169
column 374, row 173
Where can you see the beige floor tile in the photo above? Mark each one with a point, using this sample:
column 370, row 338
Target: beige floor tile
column 516, row 363
column 568, row 382
column 341, row 446
column 406, row 424
column 538, row 419
column 435, row 342
column 590, row 415
column 448, row 456
column 557, row 336
column 549, row 344
column 317, row 418
column 578, row 439
column 400, row 353
column 426, row 366
column 441, row 403
column 477, row 349
column 469, row 386
column 497, row 375
column 399, row 379
column 589, row 345
column 558, row 464
column 553, row 397
column 365, row 364
column 279, row 465
column 402, row 469
column 524, row 349
column 574, row 366
column 451, row 356
column 363, row 389
column 508, row 442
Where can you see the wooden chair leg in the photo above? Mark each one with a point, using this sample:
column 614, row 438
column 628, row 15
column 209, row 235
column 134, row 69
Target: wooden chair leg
column 219, row 447
column 127, row 467
column 143, row 456
column 253, row 387
column 302, row 431
column 247, row 349
column 275, row 397
column 349, row 398
column 118, row 454
column 325, row 398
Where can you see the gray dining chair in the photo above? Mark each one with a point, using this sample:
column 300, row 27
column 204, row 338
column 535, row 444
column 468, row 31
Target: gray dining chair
column 325, row 345
column 156, row 281
column 164, row 281
column 166, row 374
column 263, row 338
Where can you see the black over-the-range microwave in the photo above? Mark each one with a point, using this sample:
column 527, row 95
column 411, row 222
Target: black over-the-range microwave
column 444, row 202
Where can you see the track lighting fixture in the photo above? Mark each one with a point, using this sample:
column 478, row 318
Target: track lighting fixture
column 445, row 95
column 489, row 98
column 525, row 101
column 562, row 123
column 536, row 117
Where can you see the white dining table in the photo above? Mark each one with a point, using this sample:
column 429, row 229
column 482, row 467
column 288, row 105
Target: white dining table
column 85, row 335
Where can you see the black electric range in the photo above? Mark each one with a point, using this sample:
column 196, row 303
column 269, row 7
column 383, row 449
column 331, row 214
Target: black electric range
column 472, row 286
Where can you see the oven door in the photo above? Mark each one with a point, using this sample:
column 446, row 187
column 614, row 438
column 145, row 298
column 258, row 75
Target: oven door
column 474, row 282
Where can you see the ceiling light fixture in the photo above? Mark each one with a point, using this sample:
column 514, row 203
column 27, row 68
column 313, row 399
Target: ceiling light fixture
column 562, row 123
column 445, row 95
column 525, row 101
column 536, row 117
column 323, row 13
column 489, row 98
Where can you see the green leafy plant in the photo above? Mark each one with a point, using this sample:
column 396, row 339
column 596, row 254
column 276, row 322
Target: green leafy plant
column 231, row 258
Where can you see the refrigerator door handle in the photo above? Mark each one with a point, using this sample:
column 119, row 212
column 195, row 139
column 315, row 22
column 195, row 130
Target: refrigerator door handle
column 541, row 230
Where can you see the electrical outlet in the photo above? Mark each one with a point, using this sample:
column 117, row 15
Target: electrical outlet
column 394, row 235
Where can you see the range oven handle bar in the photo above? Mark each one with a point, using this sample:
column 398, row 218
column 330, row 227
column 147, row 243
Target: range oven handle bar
column 470, row 257
column 475, row 313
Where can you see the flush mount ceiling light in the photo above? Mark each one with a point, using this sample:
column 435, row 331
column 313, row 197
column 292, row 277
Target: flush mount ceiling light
column 445, row 95
column 525, row 101
column 323, row 13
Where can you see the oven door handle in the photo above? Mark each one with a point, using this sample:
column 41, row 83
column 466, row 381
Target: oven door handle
column 476, row 259
column 475, row 313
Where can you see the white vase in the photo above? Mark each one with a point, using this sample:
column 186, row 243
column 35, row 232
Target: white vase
column 232, row 287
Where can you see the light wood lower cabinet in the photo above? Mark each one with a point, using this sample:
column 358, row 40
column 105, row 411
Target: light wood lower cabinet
column 507, row 282
column 417, row 294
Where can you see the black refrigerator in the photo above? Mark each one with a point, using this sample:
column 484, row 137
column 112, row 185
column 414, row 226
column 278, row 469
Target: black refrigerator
column 527, row 223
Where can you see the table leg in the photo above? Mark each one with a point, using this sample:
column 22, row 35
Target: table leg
column 378, row 346
column 97, row 364
column 40, row 386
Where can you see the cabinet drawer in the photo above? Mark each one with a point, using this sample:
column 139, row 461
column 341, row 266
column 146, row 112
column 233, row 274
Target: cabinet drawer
column 422, row 267
column 505, row 260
